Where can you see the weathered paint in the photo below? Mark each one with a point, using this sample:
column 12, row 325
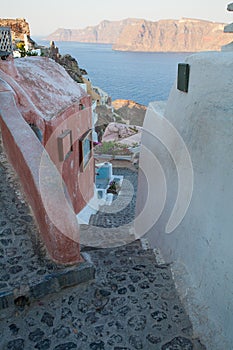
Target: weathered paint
column 25, row 152
column 38, row 91
column 49, row 99
column 79, row 183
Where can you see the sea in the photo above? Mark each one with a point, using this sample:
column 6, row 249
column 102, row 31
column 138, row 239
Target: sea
column 139, row 76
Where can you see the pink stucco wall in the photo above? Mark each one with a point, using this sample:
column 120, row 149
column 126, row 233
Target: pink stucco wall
column 79, row 182
column 60, row 230
column 38, row 91
column 47, row 97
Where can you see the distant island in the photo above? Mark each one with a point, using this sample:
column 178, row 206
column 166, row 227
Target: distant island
column 184, row 35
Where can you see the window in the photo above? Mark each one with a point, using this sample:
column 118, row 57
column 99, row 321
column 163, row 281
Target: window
column 183, row 77
column 64, row 145
column 37, row 131
column 85, row 149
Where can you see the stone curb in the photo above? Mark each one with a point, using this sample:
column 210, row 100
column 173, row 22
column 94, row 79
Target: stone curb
column 49, row 284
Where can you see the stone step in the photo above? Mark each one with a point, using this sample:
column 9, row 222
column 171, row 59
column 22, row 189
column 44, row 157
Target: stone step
column 105, row 237
column 132, row 304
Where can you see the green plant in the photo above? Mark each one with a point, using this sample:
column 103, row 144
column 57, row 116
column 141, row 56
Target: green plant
column 135, row 144
column 113, row 148
column 31, row 53
column 113, row 188
column 21, row 48
column 134, row 129
column 107, row 147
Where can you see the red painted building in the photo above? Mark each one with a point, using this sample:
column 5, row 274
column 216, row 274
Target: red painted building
column 60, row 114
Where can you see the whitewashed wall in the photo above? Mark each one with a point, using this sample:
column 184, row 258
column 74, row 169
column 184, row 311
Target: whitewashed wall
column 201, row 247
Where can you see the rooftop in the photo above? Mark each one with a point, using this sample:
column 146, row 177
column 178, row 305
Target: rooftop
column 47, row 84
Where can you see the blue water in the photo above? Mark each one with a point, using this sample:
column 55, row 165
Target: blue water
column 139, row 76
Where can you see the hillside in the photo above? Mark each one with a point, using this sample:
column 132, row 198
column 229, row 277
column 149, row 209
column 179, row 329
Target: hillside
column 185, row 35
column 18, row 26
column 130, row 111
column 106, row 32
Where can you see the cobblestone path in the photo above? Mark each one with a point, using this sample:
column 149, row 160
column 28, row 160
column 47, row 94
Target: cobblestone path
column 112, row 225
column 25, row 268
column 18, row 235
column 124, row 209
column 131, row 304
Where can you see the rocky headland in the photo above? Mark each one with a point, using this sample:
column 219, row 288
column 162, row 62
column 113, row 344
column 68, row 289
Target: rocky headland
column 106, row 32
column 19, row 27
column 184, row 35
column 130, row 111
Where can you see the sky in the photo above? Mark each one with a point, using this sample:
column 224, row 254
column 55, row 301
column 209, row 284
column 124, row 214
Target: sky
column 45, row 16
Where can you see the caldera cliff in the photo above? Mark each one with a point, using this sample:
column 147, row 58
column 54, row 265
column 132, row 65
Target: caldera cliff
column 184, row 35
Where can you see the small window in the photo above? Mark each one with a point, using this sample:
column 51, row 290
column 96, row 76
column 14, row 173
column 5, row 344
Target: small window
column 37, row 131
column 64, row 145
column 183, row 77
column 85, row 149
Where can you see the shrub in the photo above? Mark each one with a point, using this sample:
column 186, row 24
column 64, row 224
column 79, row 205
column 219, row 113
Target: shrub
column 113, row 148
column 21, row 47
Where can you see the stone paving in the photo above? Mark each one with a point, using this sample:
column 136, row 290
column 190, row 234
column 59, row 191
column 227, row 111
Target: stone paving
column 112, row 225
column 122, row 211
column 25, row 269
column 131, row 304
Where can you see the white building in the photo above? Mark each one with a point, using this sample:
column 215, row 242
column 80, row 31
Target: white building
column 185, row 201
column 103, row 95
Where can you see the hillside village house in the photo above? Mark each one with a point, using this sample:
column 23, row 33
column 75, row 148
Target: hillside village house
column 60, row 114
column 55, row 118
